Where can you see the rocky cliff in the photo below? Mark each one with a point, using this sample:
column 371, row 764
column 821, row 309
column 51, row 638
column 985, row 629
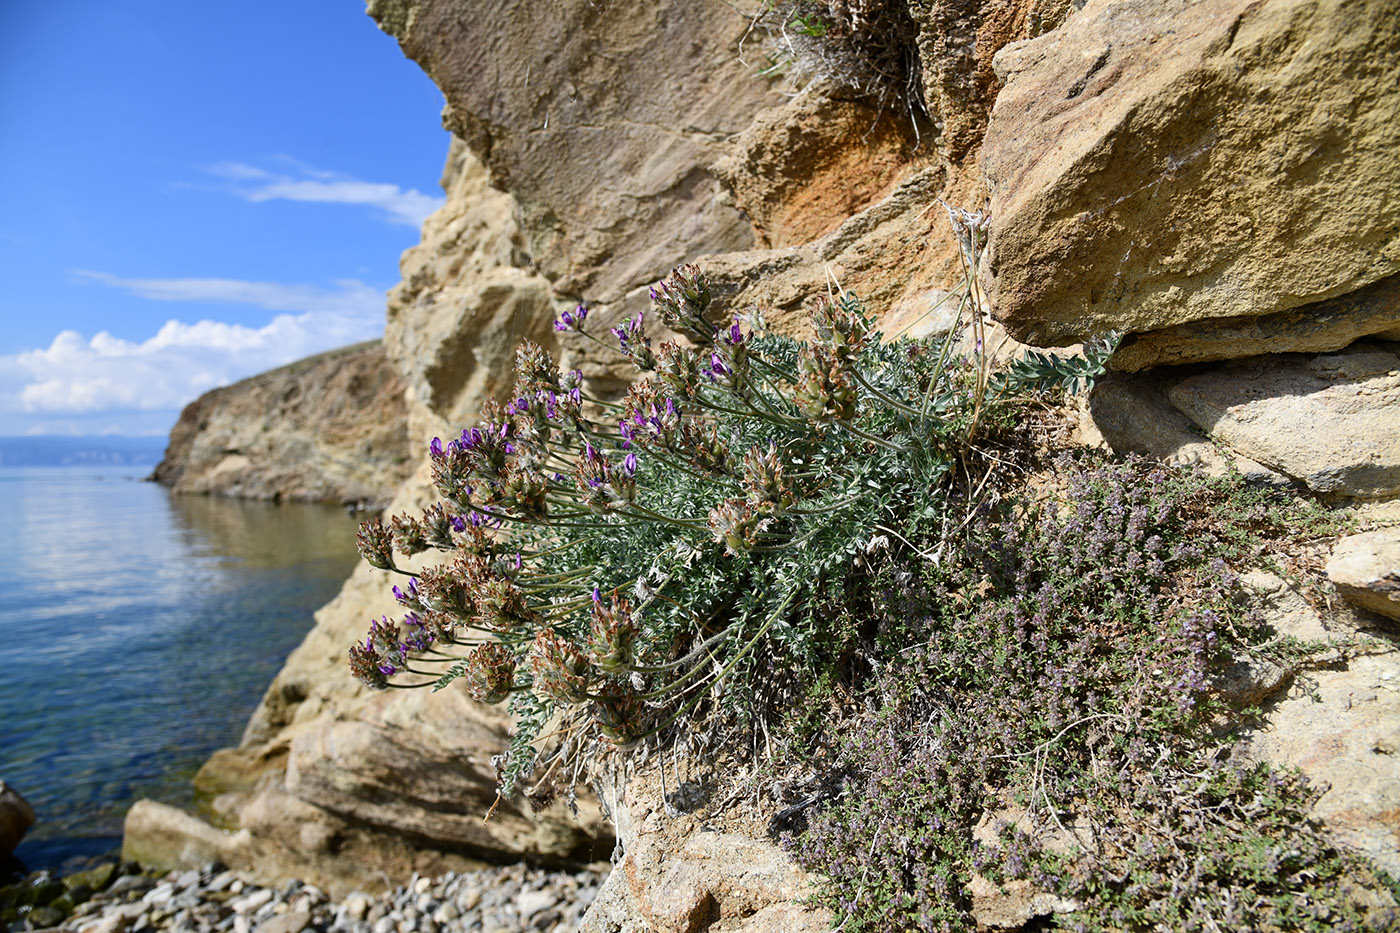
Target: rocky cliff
column 329, row 428
column 1214, row 179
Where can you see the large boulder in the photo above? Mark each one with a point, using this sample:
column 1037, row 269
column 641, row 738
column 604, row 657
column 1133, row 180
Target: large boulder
column 166, row 838
column 1159, row 165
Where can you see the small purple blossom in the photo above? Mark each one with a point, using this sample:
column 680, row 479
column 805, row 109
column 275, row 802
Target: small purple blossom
column 571, row 321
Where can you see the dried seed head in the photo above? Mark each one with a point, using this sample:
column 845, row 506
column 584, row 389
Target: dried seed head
column 679, row 367
column 618, row 712
column 409, row 535
column 825, row 391
column 764, row 479
column 376, row 544
column 613, row 634
column 682, row 298
column 841, row 325
column 737, row 525
column 490, row 673
column 561, row 670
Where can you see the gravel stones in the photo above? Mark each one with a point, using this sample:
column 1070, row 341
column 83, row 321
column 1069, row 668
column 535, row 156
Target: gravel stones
column 511, row 898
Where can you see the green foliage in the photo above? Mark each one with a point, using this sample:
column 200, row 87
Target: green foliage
column 1036, row 370
column 690, row 558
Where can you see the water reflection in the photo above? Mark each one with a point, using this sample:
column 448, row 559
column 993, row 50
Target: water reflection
column 137, row 632
column 263, row 534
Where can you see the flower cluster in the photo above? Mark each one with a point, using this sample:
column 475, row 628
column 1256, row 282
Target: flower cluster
column 715, row 503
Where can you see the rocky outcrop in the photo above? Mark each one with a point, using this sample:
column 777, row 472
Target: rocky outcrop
column 604, row 143
column 601, row 119
column 346, row 786
column 1164, row 165
column 329, row 428
column 467, row 296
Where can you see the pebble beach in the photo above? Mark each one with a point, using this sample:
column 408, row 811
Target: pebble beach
column 112, row 899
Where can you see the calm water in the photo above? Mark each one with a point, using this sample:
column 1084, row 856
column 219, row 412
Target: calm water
column 138, row 631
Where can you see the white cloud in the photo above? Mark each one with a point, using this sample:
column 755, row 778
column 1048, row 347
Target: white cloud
column 350, row 295
column 309, row 185
column 104, row 373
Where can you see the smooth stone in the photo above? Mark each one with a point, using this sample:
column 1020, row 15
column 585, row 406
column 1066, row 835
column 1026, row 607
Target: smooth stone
column 532, row 902
column 251, row 902
column 356, row 905
column 290, row 922
column 221, row 881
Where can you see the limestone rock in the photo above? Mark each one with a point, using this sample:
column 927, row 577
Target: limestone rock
column 1159, row 164
column 466, row 297
column 1365, row 569
column 1344, row 734
column 1013, row 905
column 957, row 42
column 329, row 428
column 601, row 119
column 16, row 816
column 798, row 175
column 678, row 875
column 1249, row 680
column 166, row 838
column 1284, row 609
column 1133, row 415
column 339, row 784
column 1320, row 327
column 1332, row 421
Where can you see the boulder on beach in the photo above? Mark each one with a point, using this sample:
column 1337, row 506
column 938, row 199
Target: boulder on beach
column 16, row 816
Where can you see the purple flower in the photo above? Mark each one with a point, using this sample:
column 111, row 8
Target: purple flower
column 459, row 523
column 629, row 463
column 435, row 448
column 571, row 321
column 629, row 331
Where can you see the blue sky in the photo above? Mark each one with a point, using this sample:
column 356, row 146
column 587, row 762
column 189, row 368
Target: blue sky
column 194, row 192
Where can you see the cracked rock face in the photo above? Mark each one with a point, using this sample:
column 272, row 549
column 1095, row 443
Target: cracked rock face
column 601, row 118
column 1157, row 165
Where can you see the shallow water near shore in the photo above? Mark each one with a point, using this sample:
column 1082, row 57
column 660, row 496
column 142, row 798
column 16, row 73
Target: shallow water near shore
column 138, row 631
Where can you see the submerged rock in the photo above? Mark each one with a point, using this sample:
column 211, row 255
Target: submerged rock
column 16, row 816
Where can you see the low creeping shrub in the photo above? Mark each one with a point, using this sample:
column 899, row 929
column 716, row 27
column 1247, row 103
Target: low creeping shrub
column 1049, row 717
column 666, row 559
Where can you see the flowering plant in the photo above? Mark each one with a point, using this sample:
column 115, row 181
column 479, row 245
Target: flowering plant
column 628, row 564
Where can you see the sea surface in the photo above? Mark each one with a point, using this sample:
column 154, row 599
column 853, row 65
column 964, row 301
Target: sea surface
column 138, row 631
